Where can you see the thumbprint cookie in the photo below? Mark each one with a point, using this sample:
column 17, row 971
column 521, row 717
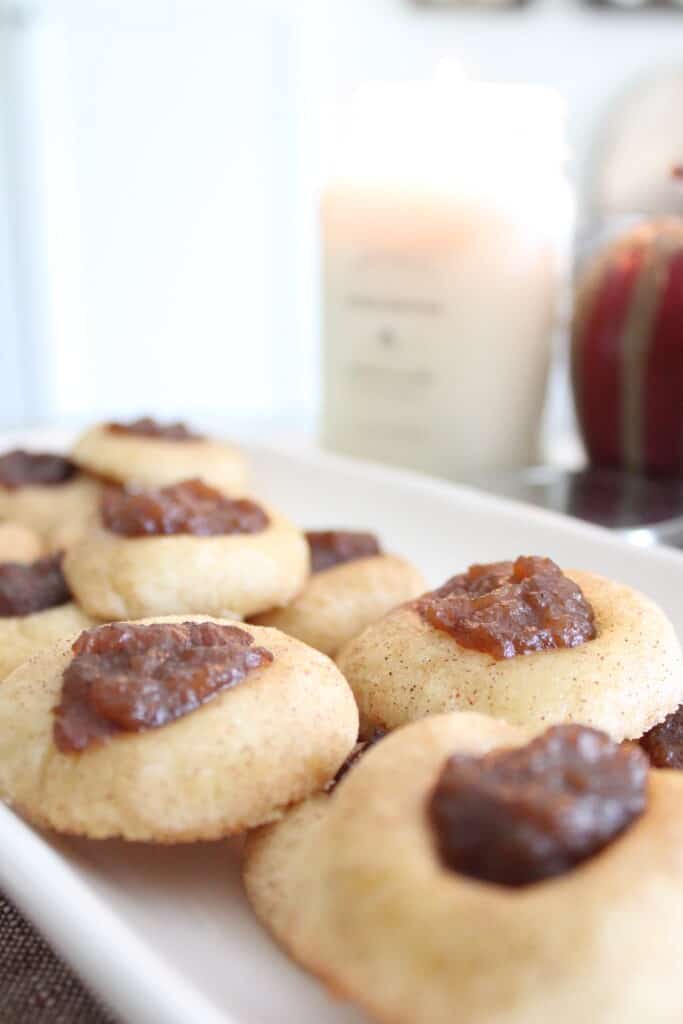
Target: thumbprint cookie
column 36, row 609
column 525, row 642
column 468, row 870
column 185, row 548
column 46, row 493
column 152, row 454
column 171, row 730
column 352, row 583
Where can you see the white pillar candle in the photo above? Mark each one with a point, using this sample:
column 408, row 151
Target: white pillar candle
column 445, row 230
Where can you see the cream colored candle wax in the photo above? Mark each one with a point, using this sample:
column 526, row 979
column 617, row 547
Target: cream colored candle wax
column 445, row 233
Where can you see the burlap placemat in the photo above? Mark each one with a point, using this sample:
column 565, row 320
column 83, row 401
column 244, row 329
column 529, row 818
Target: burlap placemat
column 36, row 987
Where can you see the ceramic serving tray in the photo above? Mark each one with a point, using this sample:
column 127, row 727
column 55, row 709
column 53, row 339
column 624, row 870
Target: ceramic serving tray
column 165, row 935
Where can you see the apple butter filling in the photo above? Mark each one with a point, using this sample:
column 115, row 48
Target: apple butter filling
column 519, row 816
column 509, row 608
column 129, row 678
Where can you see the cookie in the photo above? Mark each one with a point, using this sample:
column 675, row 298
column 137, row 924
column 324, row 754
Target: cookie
column 352, row 585
column 19, row 543
column 35, row 610
column 213, row 731
column 183, row 549
column 354, row 885
column 152, row 454
column 624, row 680
column 46, row 493
column 22, row 636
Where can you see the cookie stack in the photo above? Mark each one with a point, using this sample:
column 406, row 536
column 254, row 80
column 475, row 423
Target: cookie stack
column 496, row 846
column 504, row 854
column 139, row 707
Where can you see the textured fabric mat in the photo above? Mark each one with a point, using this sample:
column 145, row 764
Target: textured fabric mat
column 36, row 987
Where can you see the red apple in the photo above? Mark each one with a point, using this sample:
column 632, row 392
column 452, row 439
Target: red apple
column 627, row 350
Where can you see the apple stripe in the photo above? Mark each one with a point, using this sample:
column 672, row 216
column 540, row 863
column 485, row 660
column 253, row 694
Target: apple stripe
column 598, row 363
column 636, row 339
column 663, row 386
column 627, row 351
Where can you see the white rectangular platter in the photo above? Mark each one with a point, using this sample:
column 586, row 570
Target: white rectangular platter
column 165, row 935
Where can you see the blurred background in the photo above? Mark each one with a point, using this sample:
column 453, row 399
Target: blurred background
column 195, row 200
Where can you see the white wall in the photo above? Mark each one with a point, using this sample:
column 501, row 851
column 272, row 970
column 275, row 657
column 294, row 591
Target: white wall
column 13, row 386
column 590, row 54
column 156, row 146
column 158, row 207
